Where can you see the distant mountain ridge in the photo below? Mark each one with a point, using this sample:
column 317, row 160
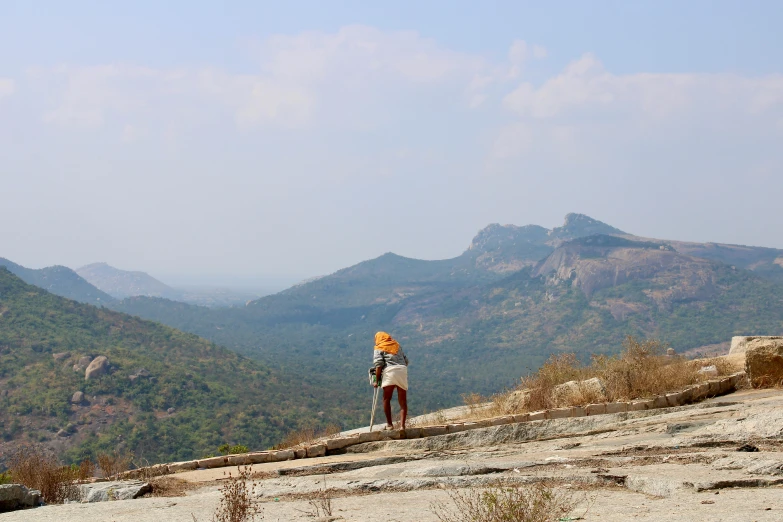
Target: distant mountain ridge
column 124, row 283
column 59, row 280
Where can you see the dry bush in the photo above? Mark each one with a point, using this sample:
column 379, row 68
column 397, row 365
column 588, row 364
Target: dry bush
column 307, row 435
column 540, row 386
column 34, row 467
column 113, row 464
column 86, row 470
column 506, row 503
column 320, row 503
column 641, row 370
column 236, row 498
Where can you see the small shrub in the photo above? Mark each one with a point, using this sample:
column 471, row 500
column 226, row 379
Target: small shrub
column 227, row 449
column 113, row 464
column 83, row 471
column 33, row 467
column 321, row 503
column 236, row 498
column 505, row 503
column 5, row 478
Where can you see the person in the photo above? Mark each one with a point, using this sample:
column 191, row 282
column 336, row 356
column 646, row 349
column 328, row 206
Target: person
column 391, row 371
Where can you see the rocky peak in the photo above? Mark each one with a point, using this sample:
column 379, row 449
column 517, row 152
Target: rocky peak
column 580, row 225
column 496, row 236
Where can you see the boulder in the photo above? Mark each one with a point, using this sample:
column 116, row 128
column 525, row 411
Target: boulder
column 739, row 344
column 764, row 361
column 60, row 356
column 588, row 391
column 77, row 397
column 98, row 367
column 16, row 496
column 118, row 490
column 84, row 362
column 708, row 371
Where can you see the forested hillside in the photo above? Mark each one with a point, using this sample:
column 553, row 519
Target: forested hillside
column 164, row 394
column 59, row 280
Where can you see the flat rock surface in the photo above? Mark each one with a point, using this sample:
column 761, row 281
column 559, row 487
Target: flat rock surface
column 658, row 465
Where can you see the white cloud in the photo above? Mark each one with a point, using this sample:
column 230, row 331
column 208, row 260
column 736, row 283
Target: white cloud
column 521, row 52
column 6, row 87
column 300, row 78
column 586, row 88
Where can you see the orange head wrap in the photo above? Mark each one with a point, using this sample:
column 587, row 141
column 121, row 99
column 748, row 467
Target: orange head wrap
column 385, row 343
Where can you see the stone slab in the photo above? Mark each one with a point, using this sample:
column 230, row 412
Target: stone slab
column 559, row 413
column 317, row 450
column 183, row 466
column 433, row 431
column 213, row 462
column 595, row 409
column 281, row 455
column 616, row 407
column 261, row 457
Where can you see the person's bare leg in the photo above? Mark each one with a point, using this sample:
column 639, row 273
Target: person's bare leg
column 388, row 391
column 402, row 397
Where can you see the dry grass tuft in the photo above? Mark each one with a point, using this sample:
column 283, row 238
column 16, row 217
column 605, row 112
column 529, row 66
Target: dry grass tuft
column 641, row 370
column 114, row 464
column 538, row 502
column 34, row 467
column 236, row 498
column 170, row 487
column 307, row 435
column 320, row 503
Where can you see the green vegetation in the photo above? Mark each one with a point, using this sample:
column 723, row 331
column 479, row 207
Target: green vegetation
column 190, row 396
column 61, row 281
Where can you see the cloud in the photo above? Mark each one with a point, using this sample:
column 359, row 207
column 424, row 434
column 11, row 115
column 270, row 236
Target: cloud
column 521, row 52
column 300, row 79
column 586, row 89
column 6, row 87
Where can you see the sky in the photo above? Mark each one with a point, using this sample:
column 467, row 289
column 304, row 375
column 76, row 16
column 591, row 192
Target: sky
column 217, row 142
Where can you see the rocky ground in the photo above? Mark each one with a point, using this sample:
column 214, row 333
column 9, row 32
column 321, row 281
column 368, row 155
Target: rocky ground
column 668, row 464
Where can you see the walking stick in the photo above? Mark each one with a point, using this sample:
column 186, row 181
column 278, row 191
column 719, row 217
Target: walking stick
column 374, row 405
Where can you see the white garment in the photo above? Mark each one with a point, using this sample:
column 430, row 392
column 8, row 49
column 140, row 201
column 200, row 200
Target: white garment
column 395, row 375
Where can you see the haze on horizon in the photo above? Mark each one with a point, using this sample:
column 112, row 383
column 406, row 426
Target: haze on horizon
column 257, row 141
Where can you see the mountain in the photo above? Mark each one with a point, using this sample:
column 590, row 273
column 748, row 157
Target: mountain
column 123, row 283
column 165, row 394
column 516, row 295
column 59, row 280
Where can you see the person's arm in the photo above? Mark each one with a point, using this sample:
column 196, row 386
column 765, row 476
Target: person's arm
column 379, row 362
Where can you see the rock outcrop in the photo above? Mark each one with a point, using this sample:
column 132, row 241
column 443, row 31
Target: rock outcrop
column 764, row 361
column 16, row 496
column 77, row 397
column 739, row 344
column 118, row 490
column 98, row 367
